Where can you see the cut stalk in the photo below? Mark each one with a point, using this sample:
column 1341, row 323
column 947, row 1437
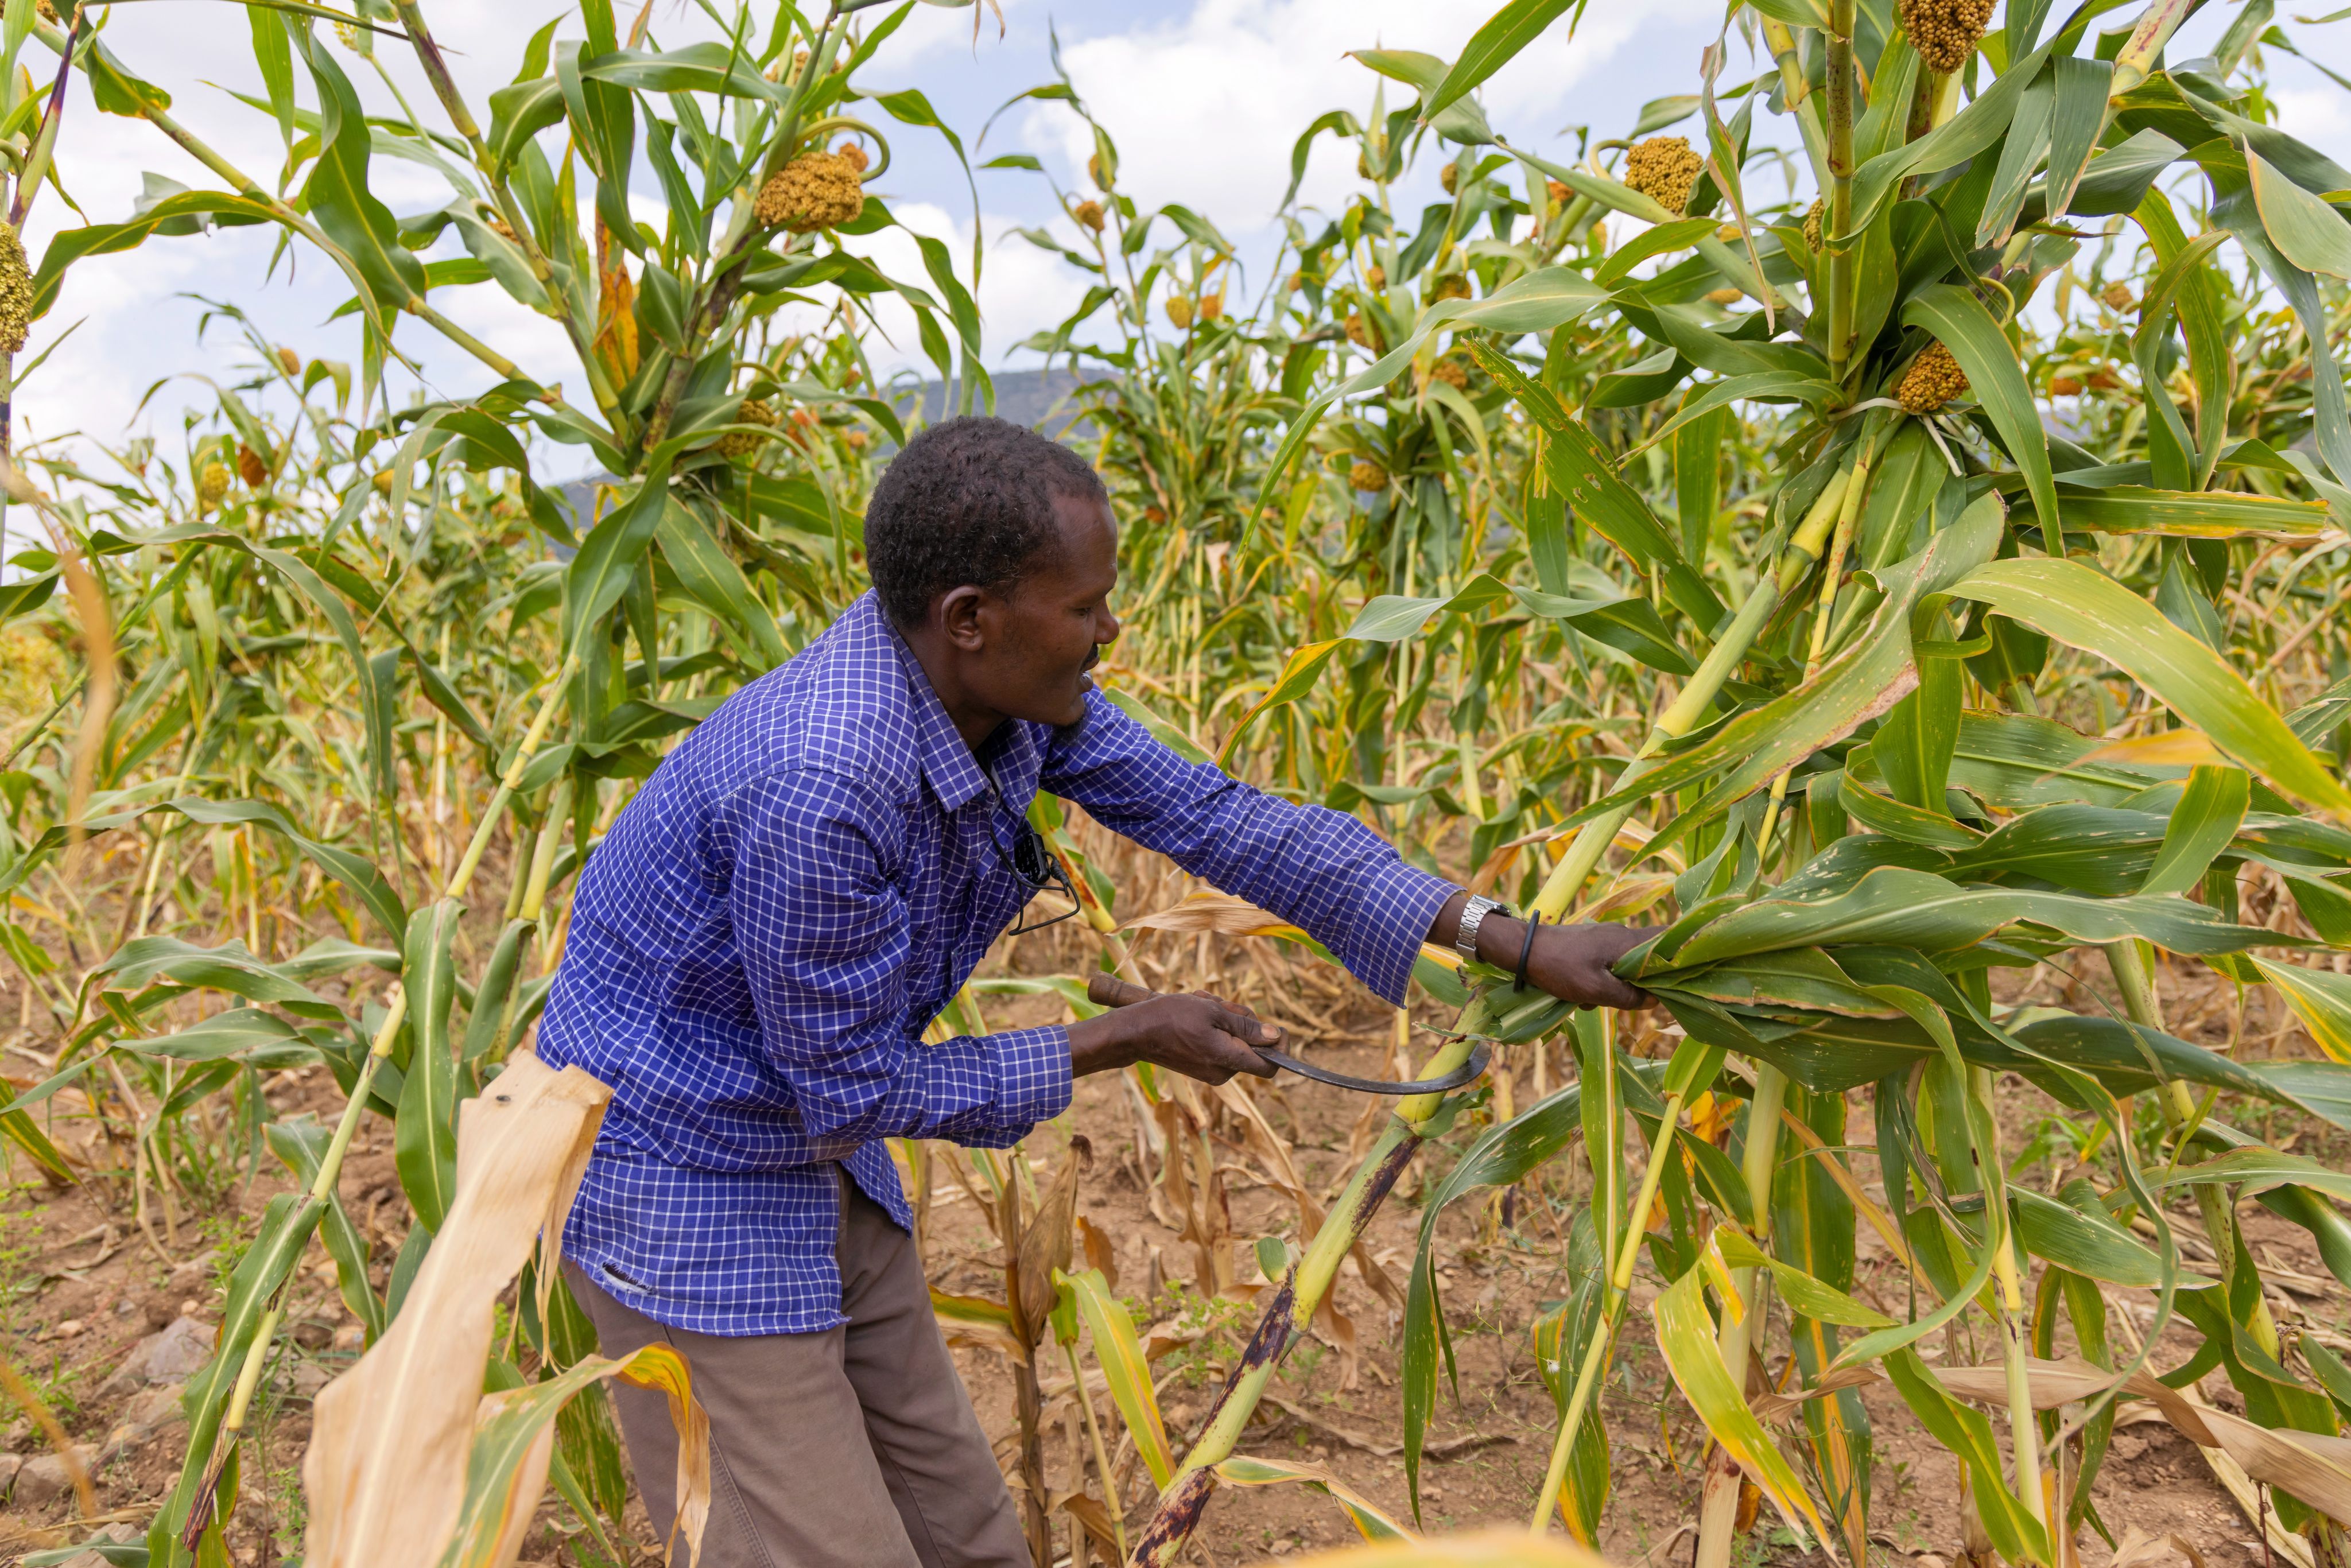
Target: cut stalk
column 1294, row 1306
column 1592, row 840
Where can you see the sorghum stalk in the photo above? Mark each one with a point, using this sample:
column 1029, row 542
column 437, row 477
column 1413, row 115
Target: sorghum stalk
column 1840, row 213
column 2132, row 964
column 1848, row 516
column 1029, row 1395
column 1798, row 94
column 2023, row 1426
column 1105, row 923
column 1619, row 1291
column 708, row 308
column 1925, row 94
column 1598, row 1076
column 330, row 1166
column 306, row 1218
column 1583, row 853
column 2140, row 51
column 542, row 855
column 414, row 305
column 1111, row 1504
column 1592, row 840
column 494, row 179
column 1738, row 1340
column 1945, row 35
column 509, row 780
column 45, row 140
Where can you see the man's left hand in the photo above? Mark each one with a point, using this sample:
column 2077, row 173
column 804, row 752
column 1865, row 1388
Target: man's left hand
column 1572, row 962
column 1575, row 963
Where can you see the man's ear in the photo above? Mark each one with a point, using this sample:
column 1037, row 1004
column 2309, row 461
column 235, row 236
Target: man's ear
column 958, row 613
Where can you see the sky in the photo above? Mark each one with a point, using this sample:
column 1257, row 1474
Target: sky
column 1204, row 98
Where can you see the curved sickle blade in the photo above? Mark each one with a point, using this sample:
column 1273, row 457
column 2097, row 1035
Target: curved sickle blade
column 1109, row 990
column 1480, row 1056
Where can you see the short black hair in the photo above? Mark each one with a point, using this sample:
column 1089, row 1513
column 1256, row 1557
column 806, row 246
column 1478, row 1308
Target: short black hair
column 968, row 500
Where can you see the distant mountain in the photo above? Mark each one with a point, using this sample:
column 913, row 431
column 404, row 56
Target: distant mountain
column 1025, row 397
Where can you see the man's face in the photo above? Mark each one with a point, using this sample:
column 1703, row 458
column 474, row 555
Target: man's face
column 1042, row 635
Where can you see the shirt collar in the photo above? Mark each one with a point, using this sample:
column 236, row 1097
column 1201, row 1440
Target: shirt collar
column 954, row 775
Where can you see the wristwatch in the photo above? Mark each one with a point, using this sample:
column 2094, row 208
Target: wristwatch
column 1473, row 914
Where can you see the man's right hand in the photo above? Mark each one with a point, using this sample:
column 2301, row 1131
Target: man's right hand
column 1200, row 1035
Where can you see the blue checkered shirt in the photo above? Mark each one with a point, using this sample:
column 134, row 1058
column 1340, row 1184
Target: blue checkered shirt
column 800, row 887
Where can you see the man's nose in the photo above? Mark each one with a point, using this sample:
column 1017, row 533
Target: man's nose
column 1106, row 629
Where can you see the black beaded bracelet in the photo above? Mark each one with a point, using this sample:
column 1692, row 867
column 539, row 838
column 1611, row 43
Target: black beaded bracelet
column 1526, row 948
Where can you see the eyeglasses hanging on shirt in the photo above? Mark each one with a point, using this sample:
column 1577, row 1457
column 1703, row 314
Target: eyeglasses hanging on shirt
column 1032, row 863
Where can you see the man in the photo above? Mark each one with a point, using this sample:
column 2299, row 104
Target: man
column 795, row 893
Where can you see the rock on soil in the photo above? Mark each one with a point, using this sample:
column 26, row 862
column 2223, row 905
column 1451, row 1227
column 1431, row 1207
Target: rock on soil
column 150, row 1411
column 171, row 1355
column 44, row 1479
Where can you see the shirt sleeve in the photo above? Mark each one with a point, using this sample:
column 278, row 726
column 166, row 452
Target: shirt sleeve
column 823, row 940
column 1319, row 869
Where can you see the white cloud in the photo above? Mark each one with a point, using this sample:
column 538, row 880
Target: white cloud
column 1205, row 98
column 1023, row 289
column 138, row 327
column 1205, row 109
column 2318, row 115
column 943, row 33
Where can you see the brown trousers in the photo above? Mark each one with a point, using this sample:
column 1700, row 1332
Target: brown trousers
column 855, row 1447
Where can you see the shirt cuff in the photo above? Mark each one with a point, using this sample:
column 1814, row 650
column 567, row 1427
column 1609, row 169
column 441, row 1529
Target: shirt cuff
column 1032, row 1076
column 1393, row 911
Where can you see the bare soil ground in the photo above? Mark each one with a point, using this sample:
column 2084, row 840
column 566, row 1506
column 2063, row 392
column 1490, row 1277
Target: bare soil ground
column 83, row 1285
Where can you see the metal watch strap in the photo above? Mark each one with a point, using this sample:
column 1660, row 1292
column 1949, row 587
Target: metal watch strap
column 1473, row 914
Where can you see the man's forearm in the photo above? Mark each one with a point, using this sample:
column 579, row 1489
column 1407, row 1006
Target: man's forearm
column 1321, row 870
column 1572, row 961
column 1500, row 935
column 1099, row 1044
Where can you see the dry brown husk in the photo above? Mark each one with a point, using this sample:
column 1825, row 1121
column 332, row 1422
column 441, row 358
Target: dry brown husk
column 386, row 1470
